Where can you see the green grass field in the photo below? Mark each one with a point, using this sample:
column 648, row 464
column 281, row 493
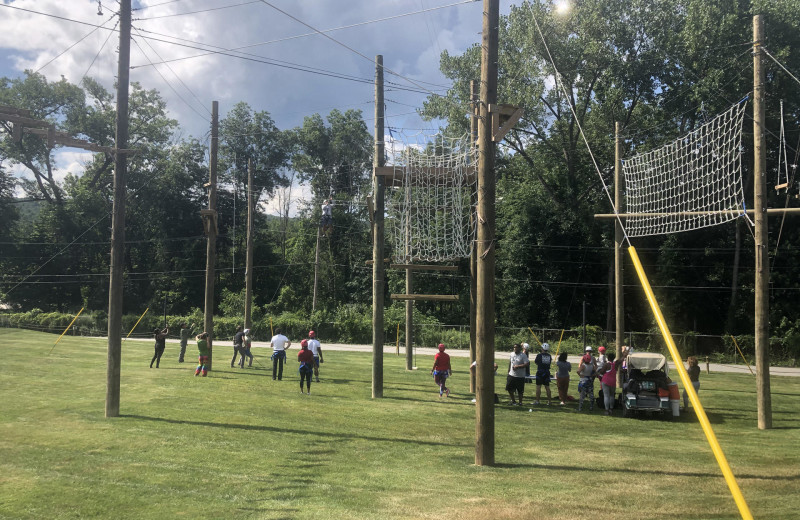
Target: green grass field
column 238, row 445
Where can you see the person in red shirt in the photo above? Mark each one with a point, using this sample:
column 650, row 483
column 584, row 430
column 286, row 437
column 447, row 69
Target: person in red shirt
column 441, row 370
column 306, row 359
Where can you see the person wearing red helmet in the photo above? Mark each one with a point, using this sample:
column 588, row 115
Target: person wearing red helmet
column 441, row 370
column 316, row 349
column 306, row 360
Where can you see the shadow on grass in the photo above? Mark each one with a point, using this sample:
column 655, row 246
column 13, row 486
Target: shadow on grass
column 654, row 472
column 253, row 427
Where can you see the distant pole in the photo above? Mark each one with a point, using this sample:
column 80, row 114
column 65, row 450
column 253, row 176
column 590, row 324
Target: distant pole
column 484, row 301
column 474, row 86
column 248, row 276
column 316, row 271
column 619, row 288
column 211, row 245
column 763, row 394
column 378, row 269
column 117, row 258
column 165, row 310
column 409, row 290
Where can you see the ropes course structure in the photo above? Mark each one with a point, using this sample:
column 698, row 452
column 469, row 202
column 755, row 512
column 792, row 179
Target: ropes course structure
column 690, row 183
column 430, row 186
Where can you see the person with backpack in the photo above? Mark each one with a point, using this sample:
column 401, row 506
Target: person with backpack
column 441, row 370
column 306, row 369
column 279, row 344
column 543, row 361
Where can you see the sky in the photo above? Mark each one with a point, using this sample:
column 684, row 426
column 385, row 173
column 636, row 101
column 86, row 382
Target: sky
column 409, row 34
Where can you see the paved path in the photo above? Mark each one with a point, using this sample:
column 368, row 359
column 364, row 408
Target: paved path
column 503, row 357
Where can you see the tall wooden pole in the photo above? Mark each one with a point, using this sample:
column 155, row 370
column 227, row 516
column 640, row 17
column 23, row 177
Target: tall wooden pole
column 764, row 398
column 484, row 318
column 248, row 275
column 211, row 246
column 474, row 87
column 114, row 356
column 409, row 290
column 316, row 270
column 378, row 269
column 619, row 291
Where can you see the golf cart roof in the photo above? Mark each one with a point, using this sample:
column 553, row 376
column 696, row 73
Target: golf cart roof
column 646, row 361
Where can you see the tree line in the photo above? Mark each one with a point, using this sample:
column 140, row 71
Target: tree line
column 661, row 68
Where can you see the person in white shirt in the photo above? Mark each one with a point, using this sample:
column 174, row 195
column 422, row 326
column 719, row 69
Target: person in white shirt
column 327, row 218
column 279, row 344
column 316, row 349
column 515, row 382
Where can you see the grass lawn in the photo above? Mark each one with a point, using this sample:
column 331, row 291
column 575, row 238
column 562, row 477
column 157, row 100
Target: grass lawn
column 238, row 445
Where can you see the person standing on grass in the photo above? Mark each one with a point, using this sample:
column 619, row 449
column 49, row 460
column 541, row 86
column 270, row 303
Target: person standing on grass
column 202, row 351
column 608, row 380
column 515, row 382
column 587, row 370
column 279, row 344
column 244, row 352
column 441, row 370
column 526, row 349
column 601, row 359
column 563, row 368
column 186, row 333
column 543, row 361
column 306, row 359
column 316, row 349
column 161, row 343
column 237, row 345
column 694, row 377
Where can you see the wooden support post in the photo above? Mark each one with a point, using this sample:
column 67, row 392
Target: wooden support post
column 316, row 270
column 619, row 287
column 409, row 320
column 117, row 259
column 378, row 269
column 211, row 244
column 248, row 273
column 484, row 395
column 763, row 394
column 473, row 257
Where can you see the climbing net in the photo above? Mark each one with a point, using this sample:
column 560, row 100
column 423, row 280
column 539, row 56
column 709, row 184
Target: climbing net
column 429, row 200
column 691, row 183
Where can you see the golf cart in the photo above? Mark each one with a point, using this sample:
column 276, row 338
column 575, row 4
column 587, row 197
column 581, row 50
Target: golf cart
column 646, row 386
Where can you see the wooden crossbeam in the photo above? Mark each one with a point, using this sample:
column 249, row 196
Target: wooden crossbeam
column 67, row 140
column 501, row 128
column 424, row 267
column 24, row 112
column 623, row 216
column 385, row 261
column 424, row 297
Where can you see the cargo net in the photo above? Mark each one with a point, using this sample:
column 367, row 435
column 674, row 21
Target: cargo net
column 691, row 183
column 429, row 200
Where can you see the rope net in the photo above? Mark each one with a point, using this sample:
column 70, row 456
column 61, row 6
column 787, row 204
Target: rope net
column 429, row 204
column 691, row 183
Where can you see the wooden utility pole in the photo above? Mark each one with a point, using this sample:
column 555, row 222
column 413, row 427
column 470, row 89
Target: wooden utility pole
column 485, row 316
column 114, row 359
column 316, row 270
column 378, row 268
column 210, row 224
column 474, row 87
column 409, row 290
column 619, row 291
column 248, row 274
column 763, row 394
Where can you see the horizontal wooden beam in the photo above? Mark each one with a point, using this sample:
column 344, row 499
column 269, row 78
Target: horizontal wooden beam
column 22, row 120
column 623, row 216
column 424, row 267
column 429, row 297
column 385, row 261
column 67, row 140
column 4, row 109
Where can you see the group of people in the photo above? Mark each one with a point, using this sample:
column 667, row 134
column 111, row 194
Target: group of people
column 309, row 356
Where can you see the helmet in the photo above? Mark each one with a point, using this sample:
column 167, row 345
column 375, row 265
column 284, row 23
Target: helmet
column 304, row 343
column 246, row 332
column 545, row 346
column 441, row 347
column 601, row 349
column 526, row 347
column 587, row 349
column 312, row 334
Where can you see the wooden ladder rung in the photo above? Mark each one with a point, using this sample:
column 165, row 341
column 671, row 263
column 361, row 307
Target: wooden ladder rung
column 781, row 186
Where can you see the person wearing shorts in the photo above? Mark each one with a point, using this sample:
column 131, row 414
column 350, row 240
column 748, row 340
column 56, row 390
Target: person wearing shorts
column 202, row 351
column 441, row 370
column 515, row 382
column 543, row 361
column 316, row 349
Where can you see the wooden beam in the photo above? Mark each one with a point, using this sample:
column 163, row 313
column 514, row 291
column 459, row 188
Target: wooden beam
column 67, row 140
column 385, row 261
column 25, row 121
column 424, row 267
column 428, row 297
column 770, row 211
column 24, row 112
column 513, row 115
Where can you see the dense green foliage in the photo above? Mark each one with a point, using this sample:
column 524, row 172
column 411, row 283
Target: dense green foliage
column 238, row 445
column 660, row 68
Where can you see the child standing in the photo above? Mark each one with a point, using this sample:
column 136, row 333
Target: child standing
column 441, row 370
column 306, row 370
column 202, row 351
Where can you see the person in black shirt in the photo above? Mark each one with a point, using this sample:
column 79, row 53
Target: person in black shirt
column 161, row 339
column 543, row 361
column 694, row 377
column 237, row 344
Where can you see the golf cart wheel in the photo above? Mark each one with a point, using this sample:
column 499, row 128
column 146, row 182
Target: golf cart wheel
column 626, row 412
